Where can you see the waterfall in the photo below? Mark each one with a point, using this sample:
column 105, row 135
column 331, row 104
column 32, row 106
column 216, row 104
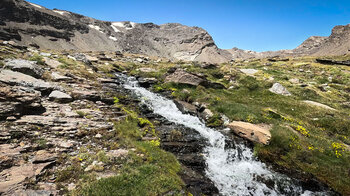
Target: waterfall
column 234, row 171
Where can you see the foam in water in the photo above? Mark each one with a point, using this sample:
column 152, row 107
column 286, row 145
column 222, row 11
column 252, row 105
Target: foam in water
column 234, row 171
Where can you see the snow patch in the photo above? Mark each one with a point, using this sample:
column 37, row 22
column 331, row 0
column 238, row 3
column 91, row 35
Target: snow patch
column 125, row 25
column 115, row 28
column 118, row 24
column 35, row 5
column 96, row 28
column 113, row 38
column 60, row 12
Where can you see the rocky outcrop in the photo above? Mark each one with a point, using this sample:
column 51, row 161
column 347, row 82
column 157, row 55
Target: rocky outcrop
column 16, row 78
column 25, row 67
column 18, row 101
column 260, row 134
column 182, row 77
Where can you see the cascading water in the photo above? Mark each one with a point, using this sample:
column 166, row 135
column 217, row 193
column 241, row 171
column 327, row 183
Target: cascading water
column 234, row 171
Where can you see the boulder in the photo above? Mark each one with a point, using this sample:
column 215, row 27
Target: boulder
column 60, row 97
column 24, row 66
column 277, row 88
column 206, row 114
column 185, row 107
column 313, row 103
column 182, row 77
column 251, row 132
column 19, row 79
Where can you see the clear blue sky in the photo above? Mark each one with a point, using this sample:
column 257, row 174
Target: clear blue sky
column 258, row 25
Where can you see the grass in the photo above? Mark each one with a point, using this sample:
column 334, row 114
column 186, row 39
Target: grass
column 304, row 138
column 155, row 174
column 147, row 169
column 39, row 59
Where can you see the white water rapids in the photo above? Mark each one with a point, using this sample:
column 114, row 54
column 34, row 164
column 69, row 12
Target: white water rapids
column 235, row 171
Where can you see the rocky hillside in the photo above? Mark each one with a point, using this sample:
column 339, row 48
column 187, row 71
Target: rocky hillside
column 35, row 25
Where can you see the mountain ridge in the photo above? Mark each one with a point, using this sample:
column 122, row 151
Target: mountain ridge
column 32, row 24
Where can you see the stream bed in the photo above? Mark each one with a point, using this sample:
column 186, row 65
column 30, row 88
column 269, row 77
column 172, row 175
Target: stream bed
column 233, row 169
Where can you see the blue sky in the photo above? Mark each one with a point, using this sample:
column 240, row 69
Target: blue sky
column 258, row 25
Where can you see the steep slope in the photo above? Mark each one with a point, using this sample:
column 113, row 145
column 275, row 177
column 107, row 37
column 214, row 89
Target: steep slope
column 62, row 30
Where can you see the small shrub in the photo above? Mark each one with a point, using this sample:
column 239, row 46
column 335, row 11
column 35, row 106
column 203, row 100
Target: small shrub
column 39, row 59
column 215, row 121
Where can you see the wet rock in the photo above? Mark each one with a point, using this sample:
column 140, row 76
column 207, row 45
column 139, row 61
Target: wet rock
column 147, row 82
column 25, row 67
column 19, row 79
column 313, row 103
column 60, row 97
column 185, row 107
column 254, row 133
column 277, row 88
column 182, row 77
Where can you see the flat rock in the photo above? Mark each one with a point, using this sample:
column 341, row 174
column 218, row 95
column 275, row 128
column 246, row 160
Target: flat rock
column 12, row 177
column 147, row 70
column 277, row 88
column 43, row 156
column 19, row 79
column 60, row 97
column 52, row 63
column 251, row 132
column 294, row 81
column 25, row 67
column 118, row 153
column 249, row 71
column 57, row 77
column 313, row 103
column 86, row 94
column 92, row 59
